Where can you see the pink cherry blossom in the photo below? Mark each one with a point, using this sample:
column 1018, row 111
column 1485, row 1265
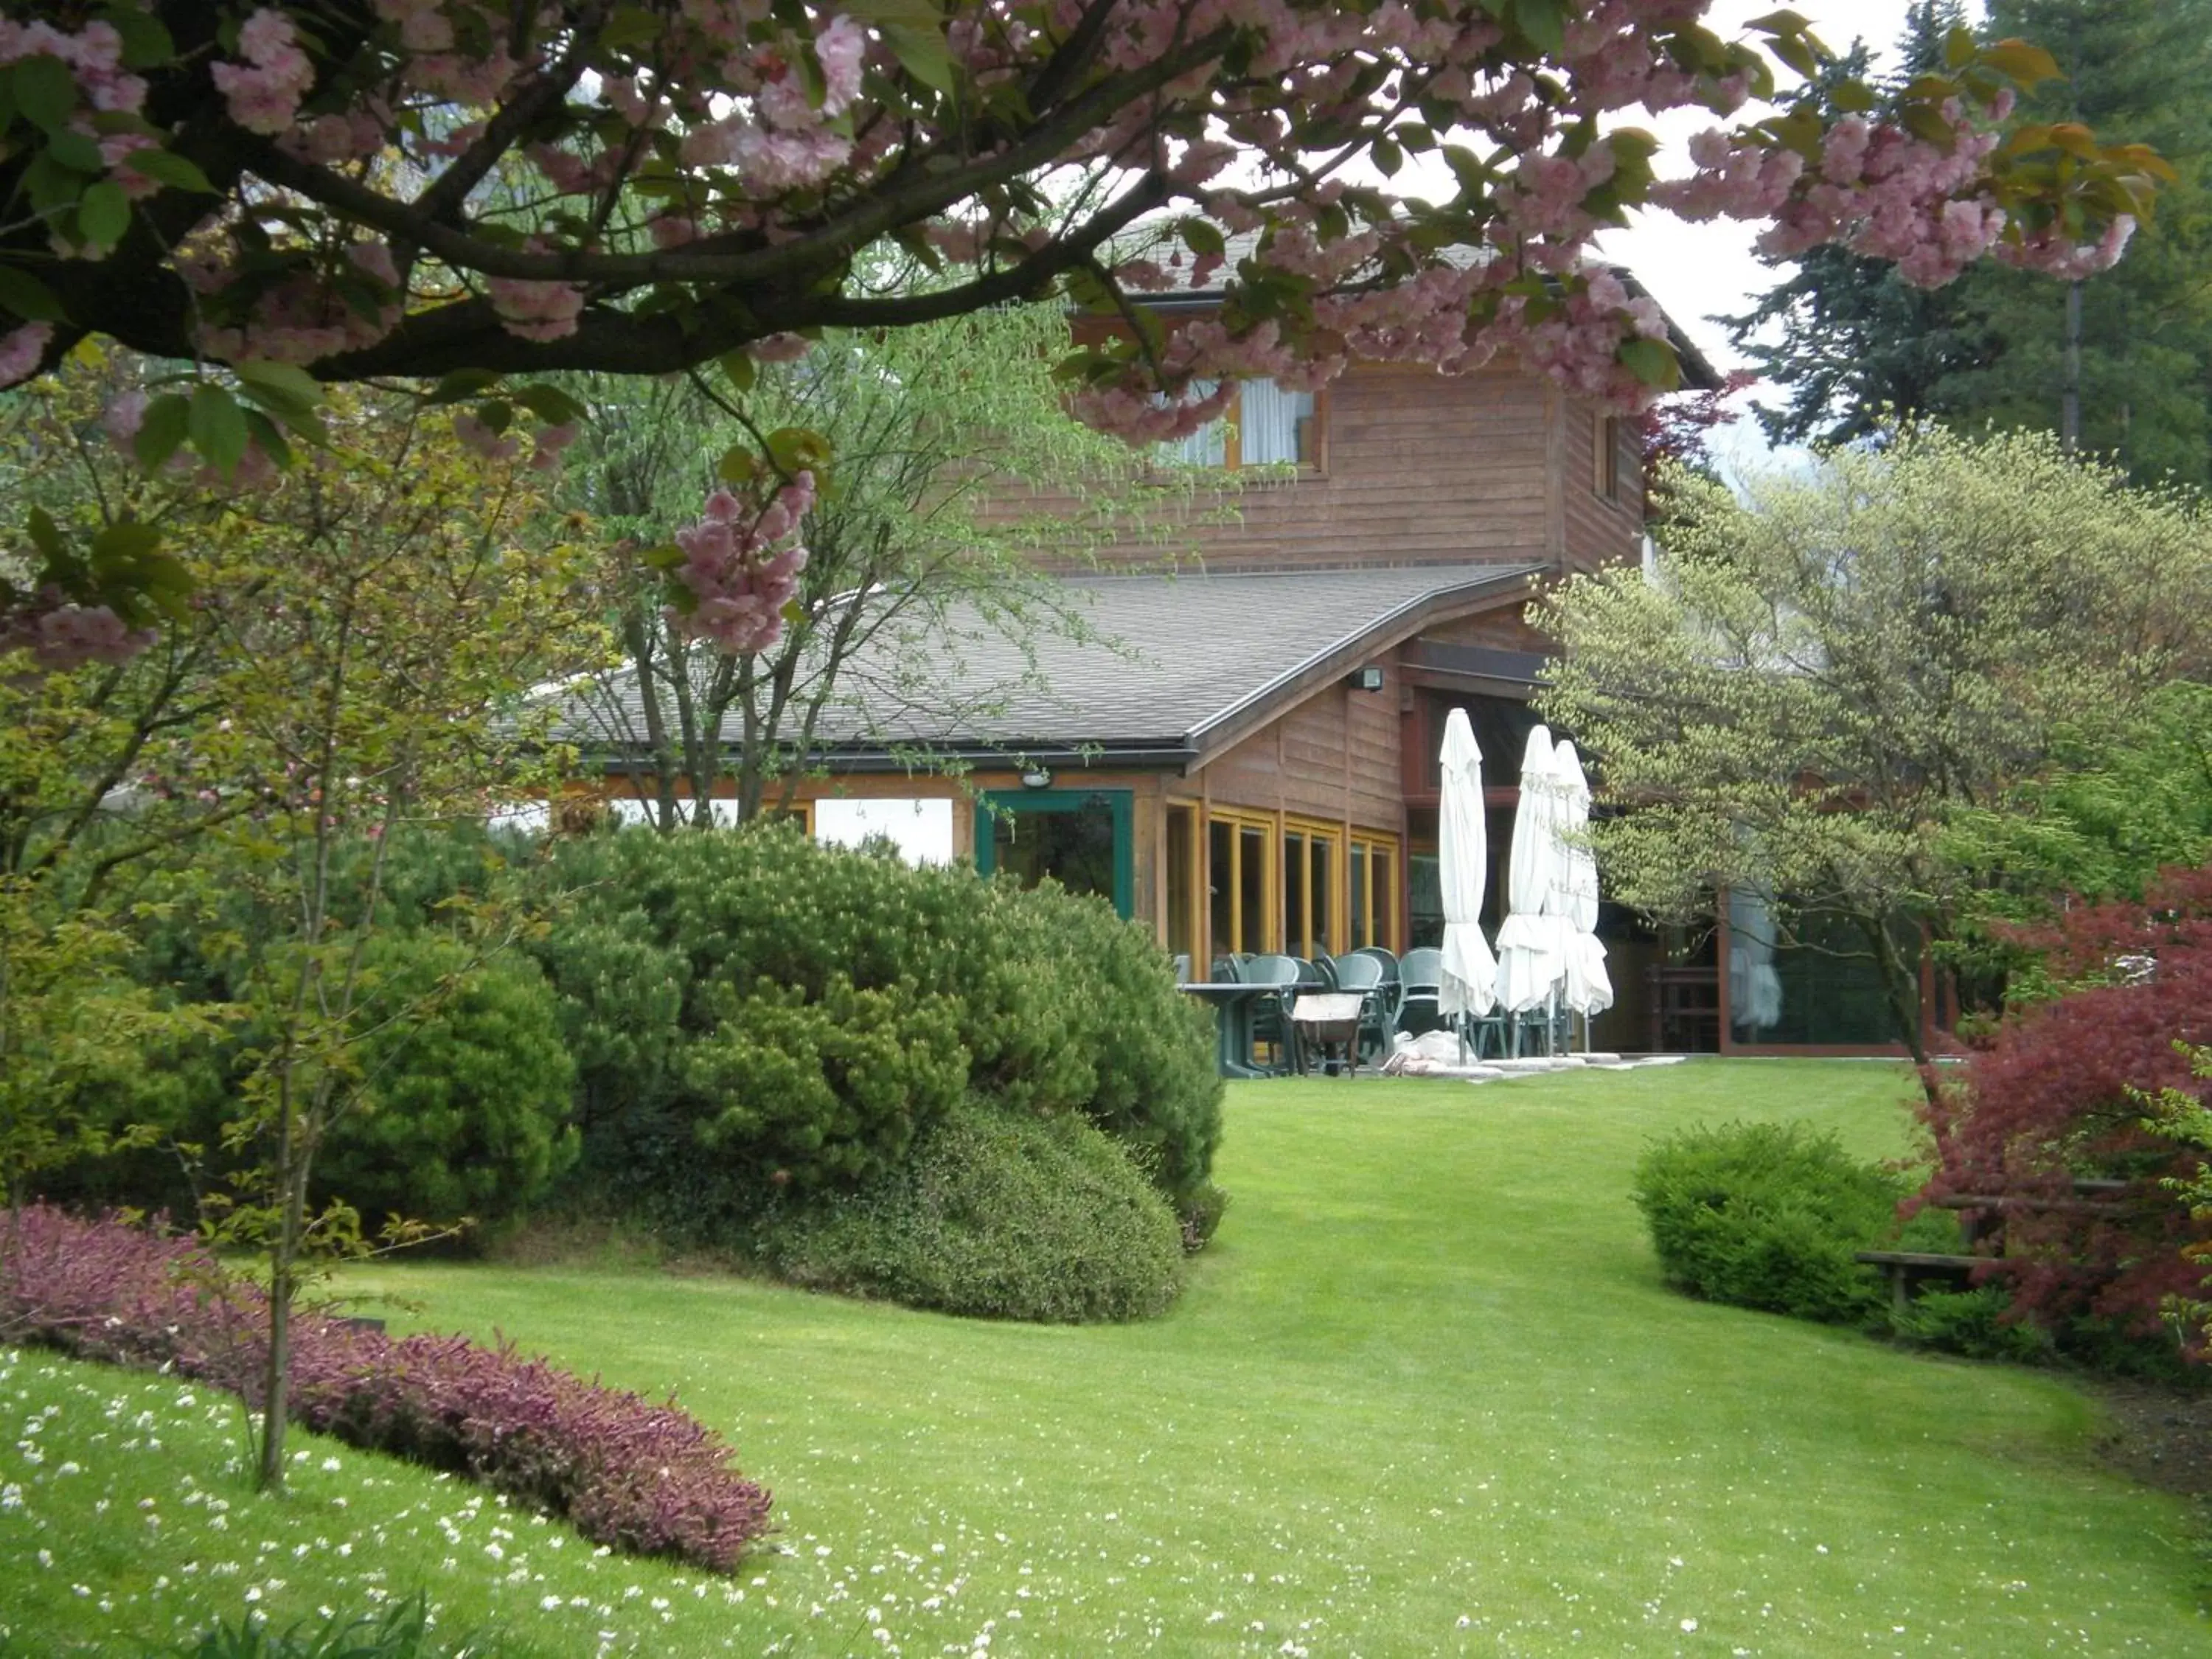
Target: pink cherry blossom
column 738, row 571
column 21, row 350
column 263, row 92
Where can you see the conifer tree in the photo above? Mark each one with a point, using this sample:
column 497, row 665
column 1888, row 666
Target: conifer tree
column 1853, row 343
column 2142, row 379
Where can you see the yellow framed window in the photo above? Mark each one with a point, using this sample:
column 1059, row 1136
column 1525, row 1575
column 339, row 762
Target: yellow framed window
column 1265, row 425
column 1240, row 873
column 1375, row 870
column 1312, row 856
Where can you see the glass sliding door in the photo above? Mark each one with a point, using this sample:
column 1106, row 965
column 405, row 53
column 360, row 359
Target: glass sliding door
column 1310, row 904
column 1180, row 853
column 1374, row 884
column 1240, row 875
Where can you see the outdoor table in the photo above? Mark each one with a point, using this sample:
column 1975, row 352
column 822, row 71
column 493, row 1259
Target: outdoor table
column 1232, row 1001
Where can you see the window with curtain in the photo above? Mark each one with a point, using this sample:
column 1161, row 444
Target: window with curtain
column 1274, row 426
column 1208, row 446
column 1266, row 425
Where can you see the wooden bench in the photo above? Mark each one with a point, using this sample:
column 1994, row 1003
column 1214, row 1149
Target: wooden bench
column 1907, row 1269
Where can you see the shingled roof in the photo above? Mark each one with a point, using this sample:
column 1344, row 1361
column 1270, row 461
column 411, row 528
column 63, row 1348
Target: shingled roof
column 1165, row 669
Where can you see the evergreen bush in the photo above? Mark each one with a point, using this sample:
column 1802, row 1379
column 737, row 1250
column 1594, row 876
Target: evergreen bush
column 755, row 1018
column 467, row 1107
column 1767, row 1215
column 998, row 1215
column 1973, row 1323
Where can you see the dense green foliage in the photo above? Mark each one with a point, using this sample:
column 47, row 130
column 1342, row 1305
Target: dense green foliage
column 467, row 1087
column 711, row 1029
column 1834, row 671
column 466, row 1111
column 752, row 1014
column 2135, row 69
column 2097, row 824
column 1973, row 1323
column 1767, row 1215
column 1000, row 1215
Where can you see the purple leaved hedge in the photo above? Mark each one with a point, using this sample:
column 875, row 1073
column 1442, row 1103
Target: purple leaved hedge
column 648, row 1479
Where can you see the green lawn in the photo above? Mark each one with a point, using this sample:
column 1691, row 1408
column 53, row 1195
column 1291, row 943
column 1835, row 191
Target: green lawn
column 1426, row 1394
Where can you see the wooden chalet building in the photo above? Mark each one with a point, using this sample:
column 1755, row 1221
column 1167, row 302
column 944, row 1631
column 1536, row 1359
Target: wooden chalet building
column 1243, row 753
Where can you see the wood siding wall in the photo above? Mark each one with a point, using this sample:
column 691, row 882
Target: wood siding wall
column 1420, row 468
column 1334, row 758
column 1601, row 531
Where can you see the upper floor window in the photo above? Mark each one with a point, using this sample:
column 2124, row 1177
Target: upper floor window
column 1606, row 479
column 1265, row 425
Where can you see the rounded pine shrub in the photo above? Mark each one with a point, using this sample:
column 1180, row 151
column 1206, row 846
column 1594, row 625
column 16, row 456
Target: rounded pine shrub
column 757, row 1018
column 1141, row 1052
column 1767, row 1215
column 467, row 1106
column 998, row 1215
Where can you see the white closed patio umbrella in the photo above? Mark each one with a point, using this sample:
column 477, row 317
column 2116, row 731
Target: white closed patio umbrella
column 1532, row 954
column 1588, row 988
column 1470, row 972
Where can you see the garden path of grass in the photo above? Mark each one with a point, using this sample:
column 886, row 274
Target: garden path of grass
column 1424, row 1395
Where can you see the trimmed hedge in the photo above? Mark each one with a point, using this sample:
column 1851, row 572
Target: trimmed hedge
column 998, row 1215
column 647, row 1479
column 1768, row 1215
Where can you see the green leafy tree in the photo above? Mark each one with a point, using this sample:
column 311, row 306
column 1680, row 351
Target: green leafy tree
column 368, row 678
column 1824, row 675
column 2119, row 802
column 920, row 549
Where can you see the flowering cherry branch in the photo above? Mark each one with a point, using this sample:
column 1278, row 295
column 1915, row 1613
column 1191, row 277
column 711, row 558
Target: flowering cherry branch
column 476, row 189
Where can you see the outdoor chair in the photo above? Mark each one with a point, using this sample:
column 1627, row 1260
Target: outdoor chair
column 1386, row 960
column 1363, row 973
column 1271, row 1015
column 1488, row 1033
column 1420, row 993
column 1533, row 1032
column 1389, row 959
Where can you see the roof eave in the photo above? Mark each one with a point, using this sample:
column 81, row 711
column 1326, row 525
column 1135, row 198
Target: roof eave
column 1230, row 725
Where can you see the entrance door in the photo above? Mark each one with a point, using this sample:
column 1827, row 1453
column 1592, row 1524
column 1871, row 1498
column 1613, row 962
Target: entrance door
column 1079, row 837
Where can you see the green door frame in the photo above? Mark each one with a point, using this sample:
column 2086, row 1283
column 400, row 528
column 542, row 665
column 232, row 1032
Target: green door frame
column 1120, row 802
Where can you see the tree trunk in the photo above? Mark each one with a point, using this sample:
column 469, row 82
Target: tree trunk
column 283, row 1256
column 1900, row 985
